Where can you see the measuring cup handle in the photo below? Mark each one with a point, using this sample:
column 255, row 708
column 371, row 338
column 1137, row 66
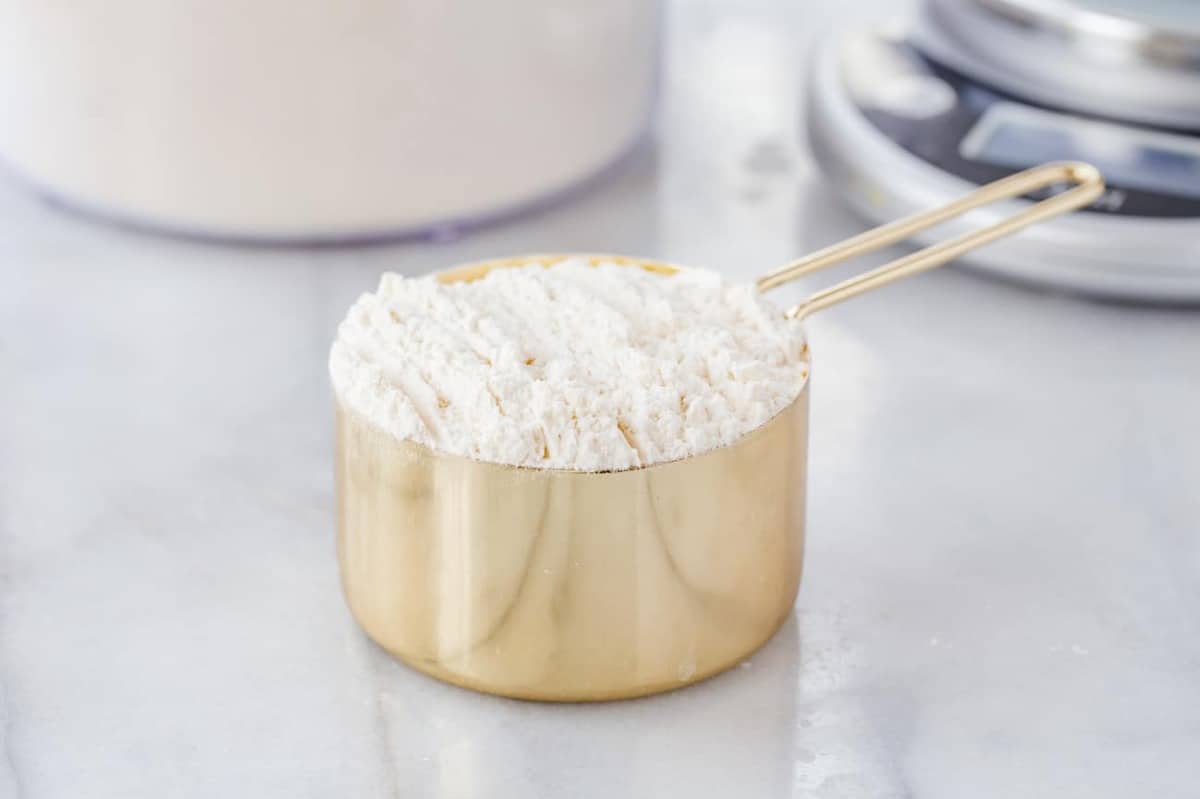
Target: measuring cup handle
column 1090, row 185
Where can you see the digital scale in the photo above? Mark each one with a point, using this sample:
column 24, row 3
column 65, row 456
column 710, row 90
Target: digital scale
column 972, row 90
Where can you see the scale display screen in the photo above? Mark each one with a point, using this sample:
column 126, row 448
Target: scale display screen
column 1012, row 135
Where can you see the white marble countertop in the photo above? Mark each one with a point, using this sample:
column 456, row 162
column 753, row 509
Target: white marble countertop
column 1002, row 591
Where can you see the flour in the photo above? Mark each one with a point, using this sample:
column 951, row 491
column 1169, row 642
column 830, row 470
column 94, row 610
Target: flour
column 572, row 367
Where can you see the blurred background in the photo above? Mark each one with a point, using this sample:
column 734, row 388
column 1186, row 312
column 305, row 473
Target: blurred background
column 1002, row 590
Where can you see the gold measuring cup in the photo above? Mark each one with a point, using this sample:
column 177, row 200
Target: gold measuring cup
column 572, row 586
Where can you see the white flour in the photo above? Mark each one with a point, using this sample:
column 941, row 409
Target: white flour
column 571, row 367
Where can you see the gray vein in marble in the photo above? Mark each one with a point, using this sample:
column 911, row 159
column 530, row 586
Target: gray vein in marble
column 10, row 778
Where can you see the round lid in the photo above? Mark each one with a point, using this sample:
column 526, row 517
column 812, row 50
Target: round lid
column 1130, row 59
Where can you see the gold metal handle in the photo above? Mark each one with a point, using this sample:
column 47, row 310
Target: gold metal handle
column 1090, row 185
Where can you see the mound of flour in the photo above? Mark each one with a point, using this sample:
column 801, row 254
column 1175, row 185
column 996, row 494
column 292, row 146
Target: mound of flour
column 569, row 367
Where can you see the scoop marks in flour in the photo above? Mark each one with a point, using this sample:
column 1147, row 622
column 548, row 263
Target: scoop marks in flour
column 575, row 366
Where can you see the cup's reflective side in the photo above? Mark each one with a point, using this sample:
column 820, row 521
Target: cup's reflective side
column 561, row 585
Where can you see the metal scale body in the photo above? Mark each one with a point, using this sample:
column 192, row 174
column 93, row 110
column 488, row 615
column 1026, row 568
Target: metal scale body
column 905, row 117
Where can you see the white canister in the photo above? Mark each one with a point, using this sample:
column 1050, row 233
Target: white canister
column 276, row 119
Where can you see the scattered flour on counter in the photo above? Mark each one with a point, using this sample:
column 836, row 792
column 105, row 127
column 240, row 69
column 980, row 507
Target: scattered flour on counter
column 569, row 367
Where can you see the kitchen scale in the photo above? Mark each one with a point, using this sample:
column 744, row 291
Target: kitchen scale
column 972, row 90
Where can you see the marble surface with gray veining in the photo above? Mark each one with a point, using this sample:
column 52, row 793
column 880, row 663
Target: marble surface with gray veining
column 1002, row 590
